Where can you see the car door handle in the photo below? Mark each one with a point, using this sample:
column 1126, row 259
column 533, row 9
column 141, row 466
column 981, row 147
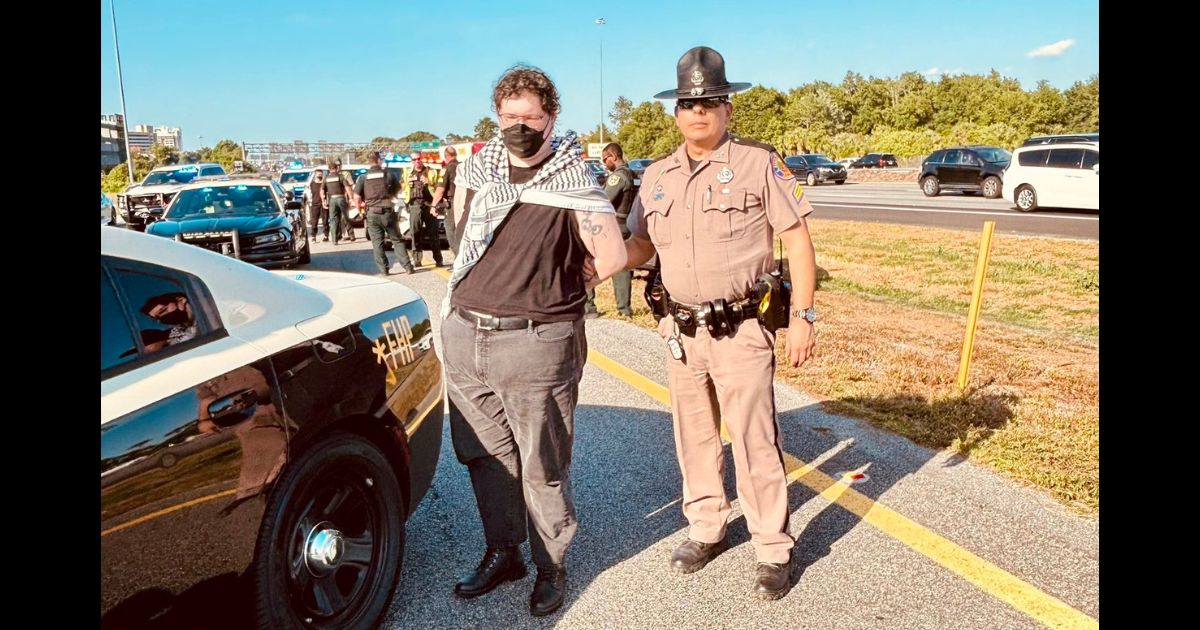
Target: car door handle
column 234, row 408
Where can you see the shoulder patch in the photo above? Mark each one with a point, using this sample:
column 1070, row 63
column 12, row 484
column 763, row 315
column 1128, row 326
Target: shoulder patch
column 614, row 180
column 780, row 168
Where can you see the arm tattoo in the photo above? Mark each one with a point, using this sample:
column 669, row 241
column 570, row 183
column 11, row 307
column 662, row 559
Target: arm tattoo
column 592, row 228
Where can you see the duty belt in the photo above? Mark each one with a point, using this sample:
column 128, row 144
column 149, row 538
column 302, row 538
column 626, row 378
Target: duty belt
column 718, row 316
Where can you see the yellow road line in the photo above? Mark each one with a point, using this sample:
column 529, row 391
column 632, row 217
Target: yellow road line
column 986, row 576
column 166, row 511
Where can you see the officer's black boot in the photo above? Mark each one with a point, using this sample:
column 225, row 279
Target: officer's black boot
column 548, row 591
column 499, row 565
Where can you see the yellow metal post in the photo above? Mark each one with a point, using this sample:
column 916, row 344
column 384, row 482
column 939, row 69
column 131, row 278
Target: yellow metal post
column 985, row 248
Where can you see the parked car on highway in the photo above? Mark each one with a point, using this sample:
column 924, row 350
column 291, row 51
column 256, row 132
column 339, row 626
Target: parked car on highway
column 264, row 437
column 971, row 170
column 875, row 160
column 1059, row 175
column 814, row 168
column 251, row 219
column 108, row 212
column 142, row 204
column 1060, row 138
column 638, row 168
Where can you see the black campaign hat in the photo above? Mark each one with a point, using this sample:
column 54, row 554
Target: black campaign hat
column 701, row 74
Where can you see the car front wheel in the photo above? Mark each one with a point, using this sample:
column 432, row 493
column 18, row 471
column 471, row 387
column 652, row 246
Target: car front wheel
column 930, row 186
column 331, row 544
column 811, row 179
column 1026, row 198
column 305, row 257
column 991, row 187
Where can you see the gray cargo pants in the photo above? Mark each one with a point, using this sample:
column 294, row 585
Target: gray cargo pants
column 512, row 421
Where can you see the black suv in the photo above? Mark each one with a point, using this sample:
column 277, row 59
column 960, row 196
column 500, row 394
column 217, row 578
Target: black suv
column 874, row 160
column 972, row 170
column 814, row 168
column 1062, row 137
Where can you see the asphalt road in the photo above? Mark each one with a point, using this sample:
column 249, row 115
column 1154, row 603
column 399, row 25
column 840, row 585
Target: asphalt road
column 906, row 204
column 925, row 541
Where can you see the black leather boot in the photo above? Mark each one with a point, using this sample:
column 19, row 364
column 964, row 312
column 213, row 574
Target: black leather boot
column 548, row 591
column 499, row 565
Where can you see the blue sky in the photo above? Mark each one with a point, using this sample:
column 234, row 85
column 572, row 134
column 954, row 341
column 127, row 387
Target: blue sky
column 270, row 70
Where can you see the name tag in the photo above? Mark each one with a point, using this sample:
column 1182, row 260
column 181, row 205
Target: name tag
column 374, row 175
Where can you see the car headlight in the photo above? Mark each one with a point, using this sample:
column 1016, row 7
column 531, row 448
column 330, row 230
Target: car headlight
column 266, row 239
column 824, row 169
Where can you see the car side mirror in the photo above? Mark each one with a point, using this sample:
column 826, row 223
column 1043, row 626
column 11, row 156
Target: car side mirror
column 1096, row 168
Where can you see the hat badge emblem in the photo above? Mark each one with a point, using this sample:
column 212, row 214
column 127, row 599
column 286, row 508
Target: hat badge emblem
column 697, row 78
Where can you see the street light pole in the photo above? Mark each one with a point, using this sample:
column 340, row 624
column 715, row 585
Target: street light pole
column 600, row 21
column 121, row 83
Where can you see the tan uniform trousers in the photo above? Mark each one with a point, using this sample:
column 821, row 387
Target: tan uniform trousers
column 730, row 379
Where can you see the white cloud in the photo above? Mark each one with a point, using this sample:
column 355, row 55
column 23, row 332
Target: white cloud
column 1052, row 50
column 932, row 72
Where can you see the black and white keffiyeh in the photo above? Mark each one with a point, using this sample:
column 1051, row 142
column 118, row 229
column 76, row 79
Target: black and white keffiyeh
column 563, row 182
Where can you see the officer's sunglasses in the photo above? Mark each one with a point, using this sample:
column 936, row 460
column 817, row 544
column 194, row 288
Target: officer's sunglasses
column 706, row 103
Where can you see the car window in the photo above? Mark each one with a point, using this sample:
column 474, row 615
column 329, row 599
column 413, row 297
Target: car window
column 165, row 313
column 116, row 339
column 1033, row 158
column 1090, row 158
column 240, row 199
column 952, row 157
column 1065, row 158
column 212, row 170
column 936, row 157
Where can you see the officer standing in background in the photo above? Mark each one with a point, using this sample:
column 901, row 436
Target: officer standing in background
column 335, row 195
column 443, row 197
column 712, row 210
column 317, row 210
column 619, row 189
column 377, row 190
column 424, row 223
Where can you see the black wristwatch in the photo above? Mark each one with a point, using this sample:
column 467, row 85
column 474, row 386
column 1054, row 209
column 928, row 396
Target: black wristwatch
column 809, row 314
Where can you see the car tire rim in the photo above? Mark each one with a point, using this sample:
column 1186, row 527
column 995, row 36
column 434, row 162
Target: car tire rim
column 929, row 186
column 989, row 187
column 1025, row 198
column 333, row 550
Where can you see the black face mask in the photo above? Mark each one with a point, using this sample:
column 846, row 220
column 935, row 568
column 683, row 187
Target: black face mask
column 523, row 141
column 175, row 318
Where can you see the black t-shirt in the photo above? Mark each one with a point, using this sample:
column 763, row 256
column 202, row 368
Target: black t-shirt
column 448, row 180
column 533, row 268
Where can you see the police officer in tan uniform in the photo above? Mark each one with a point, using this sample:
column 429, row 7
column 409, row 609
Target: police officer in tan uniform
column 711, row 210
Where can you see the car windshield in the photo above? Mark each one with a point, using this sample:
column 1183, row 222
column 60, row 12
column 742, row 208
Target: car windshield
column 294, row 177
column 181, row 176
column 994, row 155
column 820, row 160
column 222, row 200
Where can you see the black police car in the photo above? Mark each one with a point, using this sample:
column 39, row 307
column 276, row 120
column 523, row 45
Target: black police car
column 251, row 219
column 264, row 437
